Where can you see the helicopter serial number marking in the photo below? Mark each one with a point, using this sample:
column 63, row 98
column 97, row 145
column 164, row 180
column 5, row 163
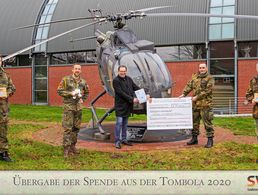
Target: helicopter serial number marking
column 169, row 114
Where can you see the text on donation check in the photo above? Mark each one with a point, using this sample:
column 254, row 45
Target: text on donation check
column 169, row 113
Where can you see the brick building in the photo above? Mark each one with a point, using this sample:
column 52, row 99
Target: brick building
column 229, row 46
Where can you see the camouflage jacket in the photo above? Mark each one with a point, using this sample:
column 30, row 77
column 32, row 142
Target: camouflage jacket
column 252, row 89
column 202, row 86
column 6, row 82
column 65, row 88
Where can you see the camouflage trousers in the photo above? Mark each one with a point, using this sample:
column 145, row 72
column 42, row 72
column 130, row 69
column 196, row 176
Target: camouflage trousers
column 206, row 115
column 256, row 131
column 71, row 123
column 3, row 127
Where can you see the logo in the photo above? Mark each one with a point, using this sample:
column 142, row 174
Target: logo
column 252, row 183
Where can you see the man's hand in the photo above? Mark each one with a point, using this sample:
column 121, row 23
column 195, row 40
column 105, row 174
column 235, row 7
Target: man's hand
column 194, row 98
column 181, row 96
column 245, row 102
column 135, row 100
column 81, row 101
column 149, row 99
column 74, row 93
column 253, row 102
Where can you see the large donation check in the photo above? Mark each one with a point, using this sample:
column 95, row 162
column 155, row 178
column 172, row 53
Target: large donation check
column 169, row 113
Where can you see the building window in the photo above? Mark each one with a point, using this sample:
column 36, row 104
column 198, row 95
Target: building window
column 74, row 57
column 24, row 60
column 227, row 31
column 42, row 30
column 40, row 75
column 77, row 57
column 182, row 52
column 223, row 49
column 227, row 80
column 40, row 60
column 222, row 58
column 221, row 28
column 91, row 57
column 216, row 3
column 21, row 60
column 222, row 67
column 40, row 96
column 168, row 53
column 41, row 72
column 10, row 62
column 228, row 2
column 60, row 58
column 215, row 31
column 248, row 49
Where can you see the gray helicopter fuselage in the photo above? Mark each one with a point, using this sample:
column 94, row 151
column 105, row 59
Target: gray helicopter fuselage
column 144, row 66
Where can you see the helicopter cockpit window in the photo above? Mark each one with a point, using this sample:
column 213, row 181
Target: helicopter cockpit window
column 147, row 70
column 117, row 41
column 126, row 36
column 156, row 70
column 132, row 70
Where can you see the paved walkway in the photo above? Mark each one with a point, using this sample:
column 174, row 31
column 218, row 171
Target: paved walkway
column 54, row 133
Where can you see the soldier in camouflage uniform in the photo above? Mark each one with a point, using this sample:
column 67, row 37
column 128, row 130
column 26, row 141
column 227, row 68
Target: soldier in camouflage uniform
column 201, row 84
column 74, row 91
column 250, row 93
column 7, row 90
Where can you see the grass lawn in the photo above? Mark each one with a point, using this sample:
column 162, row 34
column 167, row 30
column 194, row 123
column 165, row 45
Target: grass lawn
column 32, row 155
column 54, row 113
column 238, row 125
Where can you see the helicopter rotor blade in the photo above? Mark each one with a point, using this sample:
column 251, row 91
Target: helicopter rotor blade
column 85, row 18
column 51, row 38
column 59, row 21
column 202, row 15
column 152, row 8
column 84, row 38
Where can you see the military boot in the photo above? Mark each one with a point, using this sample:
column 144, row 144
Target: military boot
column 66, row 151
column 193, row 141
column 209, row 142
column 74, row 150
column 5, row 157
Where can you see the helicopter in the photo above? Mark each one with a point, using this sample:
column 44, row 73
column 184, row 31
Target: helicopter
column 145, row 67
column 120, row 46
column 117, row 47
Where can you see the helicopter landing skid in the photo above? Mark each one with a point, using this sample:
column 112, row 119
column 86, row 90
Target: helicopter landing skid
column 102, row 134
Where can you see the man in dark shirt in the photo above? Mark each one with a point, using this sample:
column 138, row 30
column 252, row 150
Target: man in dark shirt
column 124, row 99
